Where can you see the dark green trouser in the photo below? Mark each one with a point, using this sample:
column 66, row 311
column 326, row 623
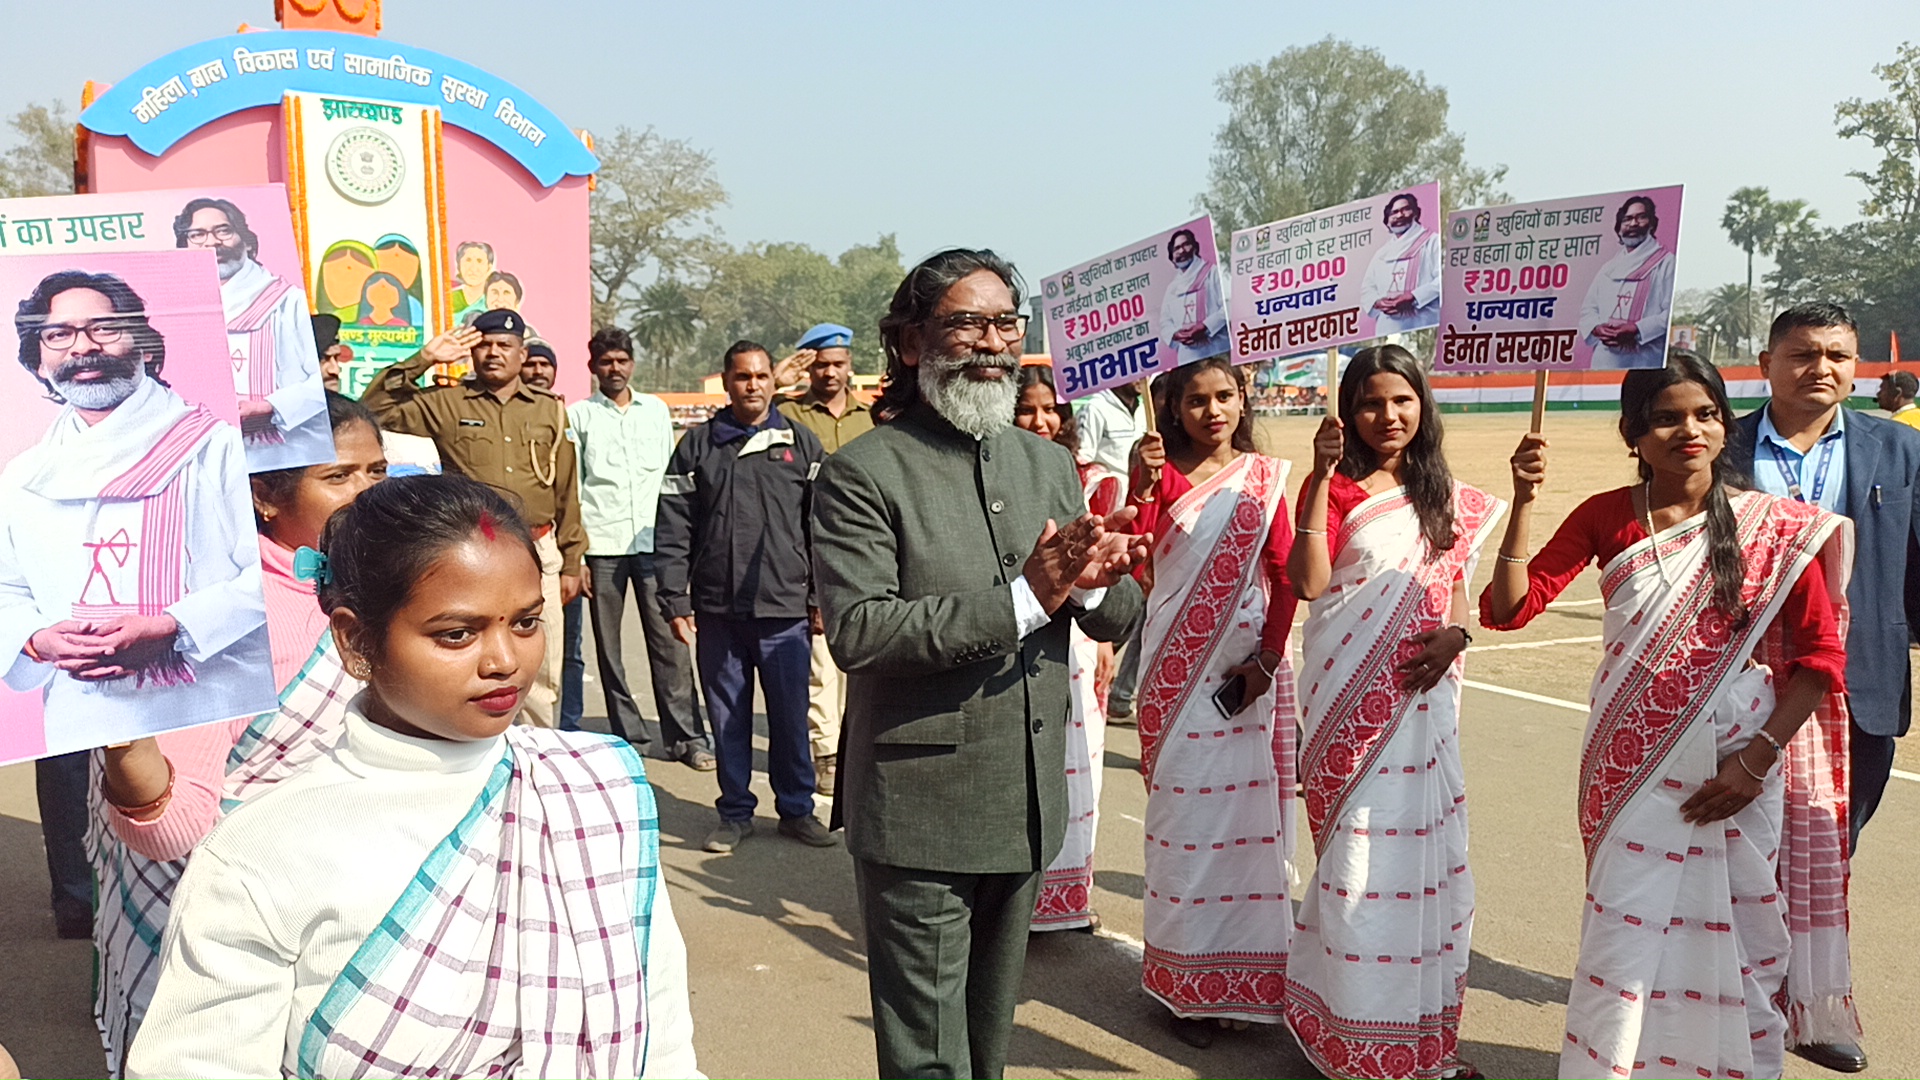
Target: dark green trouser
column 944, row 957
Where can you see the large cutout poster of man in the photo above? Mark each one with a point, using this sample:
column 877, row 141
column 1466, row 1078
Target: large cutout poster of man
column 1630, row 302
column 129, row 571
column 1401, row 288
column 283, row 405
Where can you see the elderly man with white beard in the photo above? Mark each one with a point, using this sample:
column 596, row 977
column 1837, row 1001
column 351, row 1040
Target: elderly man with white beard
column 129, row 574
column 1630, row 302
column 276, row 369
column 1401, row 288
column 952, row 553
column 1193, row 310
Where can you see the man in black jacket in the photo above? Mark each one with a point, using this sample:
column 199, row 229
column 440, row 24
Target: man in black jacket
column 731, row 554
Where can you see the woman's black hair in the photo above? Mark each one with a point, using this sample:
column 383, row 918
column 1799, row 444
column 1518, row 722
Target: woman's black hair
column 1637, row 393
column 1173, row 433
column 1042, row 375
column 276, row 486
column 382, row 543
column 1423, row 466
column 913, row 303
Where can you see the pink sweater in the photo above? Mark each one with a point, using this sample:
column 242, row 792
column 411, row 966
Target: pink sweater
column 199, row 754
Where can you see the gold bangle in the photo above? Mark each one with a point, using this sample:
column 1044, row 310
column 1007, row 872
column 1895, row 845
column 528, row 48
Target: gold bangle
column 1520, row 559
column 1312, row 532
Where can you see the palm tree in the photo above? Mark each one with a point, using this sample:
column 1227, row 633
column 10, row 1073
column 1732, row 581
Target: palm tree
column 1729, row 312
column 1754, row 221
column 669, row 320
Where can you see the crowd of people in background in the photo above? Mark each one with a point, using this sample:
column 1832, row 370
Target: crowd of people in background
column 943, row 596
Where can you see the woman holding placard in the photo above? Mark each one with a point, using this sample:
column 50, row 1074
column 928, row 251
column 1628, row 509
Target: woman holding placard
column 1721, row 637
column 1217, row 711
column 1387, row 543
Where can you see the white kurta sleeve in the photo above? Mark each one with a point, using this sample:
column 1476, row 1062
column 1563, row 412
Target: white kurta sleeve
column 298, row 395
column 1659, row 307
column 225, row 993
column 1427, row 275
column 20, row 617
column 223, row 603
column 1091, row 420
column 1216, row 302
column 1373, row 283
column 1598, row 306
column 669, row 1014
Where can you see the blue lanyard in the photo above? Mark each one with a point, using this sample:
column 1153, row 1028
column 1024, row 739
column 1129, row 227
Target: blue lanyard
column 1819, row 475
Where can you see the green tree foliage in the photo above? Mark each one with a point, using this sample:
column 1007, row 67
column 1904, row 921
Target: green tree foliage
column 773, row 292
column 651, row 216
column 41, row 163
column 1873, row 265
column 667, row 322
column 1328, row 123
column 1730, row 313
column 1754, row 221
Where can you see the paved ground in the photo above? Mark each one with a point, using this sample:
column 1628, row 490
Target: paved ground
column 778, row 973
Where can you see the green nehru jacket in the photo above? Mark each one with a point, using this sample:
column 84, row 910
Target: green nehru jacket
column 919, row 532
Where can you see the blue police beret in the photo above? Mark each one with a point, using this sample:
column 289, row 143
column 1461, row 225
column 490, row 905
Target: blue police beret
column 536, row 347
column 501, row 321
column 826, row 336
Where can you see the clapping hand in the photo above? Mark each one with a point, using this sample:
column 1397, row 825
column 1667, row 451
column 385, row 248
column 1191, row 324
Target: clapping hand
column 1090, row 553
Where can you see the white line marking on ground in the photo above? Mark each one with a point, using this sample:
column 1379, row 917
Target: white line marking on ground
column 1905, row 775
column 1524, row 696
column 1576, row 603
column 1125, row 940
column 1535, row 644
column 1133, row 819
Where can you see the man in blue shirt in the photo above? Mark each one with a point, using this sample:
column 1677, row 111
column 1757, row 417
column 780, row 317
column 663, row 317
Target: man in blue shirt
column 1806, row 445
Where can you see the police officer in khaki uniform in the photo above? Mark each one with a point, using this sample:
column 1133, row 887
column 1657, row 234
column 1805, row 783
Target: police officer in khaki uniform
column 510, row 436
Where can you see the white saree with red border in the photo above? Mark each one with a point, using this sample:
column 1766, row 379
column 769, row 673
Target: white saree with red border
column 1380, row 946
column 1219, row 828
column 1066, row 888
column 1685, row 941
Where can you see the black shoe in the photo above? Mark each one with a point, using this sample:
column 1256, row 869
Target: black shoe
column 1846, row 1057
column 722, row 840
column 808, row 831
column 1195, row 1033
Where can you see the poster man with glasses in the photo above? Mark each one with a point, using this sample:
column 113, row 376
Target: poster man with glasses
column 283, row 404
column 129, row 574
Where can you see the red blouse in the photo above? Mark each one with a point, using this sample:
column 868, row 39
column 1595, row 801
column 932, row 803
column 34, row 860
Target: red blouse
column 1343, row 494
column 1154, row 518
column 1606, row 525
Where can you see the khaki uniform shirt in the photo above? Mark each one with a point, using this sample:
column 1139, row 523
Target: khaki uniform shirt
column 833, row 431
column 518, row 446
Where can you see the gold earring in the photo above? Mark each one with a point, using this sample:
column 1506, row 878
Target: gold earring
column 362, row 670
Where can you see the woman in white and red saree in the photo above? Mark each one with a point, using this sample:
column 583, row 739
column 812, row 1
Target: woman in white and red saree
column 1066, row 889
column 1387, row 543
column 440, row 893
column 1723, row 633
column 1217, row 711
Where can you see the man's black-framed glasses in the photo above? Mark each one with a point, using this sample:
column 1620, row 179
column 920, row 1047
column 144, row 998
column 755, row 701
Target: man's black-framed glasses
column 100, row 332
column 222, row 233
column 972, row 326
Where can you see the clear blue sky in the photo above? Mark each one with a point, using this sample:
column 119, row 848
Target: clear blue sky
column 994, row 123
